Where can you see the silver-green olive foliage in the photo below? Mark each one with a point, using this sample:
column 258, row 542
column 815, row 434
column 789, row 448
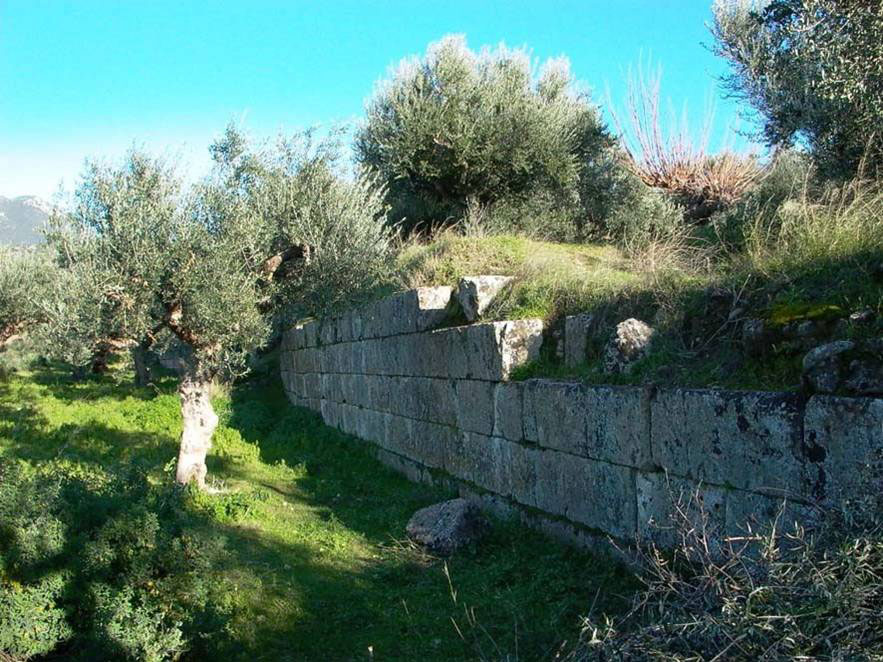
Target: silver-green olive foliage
column 813, row 72
column 458, row 128
column 26, row 275
column 271, row 229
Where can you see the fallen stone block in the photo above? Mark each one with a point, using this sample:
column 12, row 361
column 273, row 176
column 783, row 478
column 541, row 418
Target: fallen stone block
column 446, row 527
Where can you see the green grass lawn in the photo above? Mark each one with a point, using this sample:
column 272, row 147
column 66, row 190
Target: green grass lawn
column 315, row 562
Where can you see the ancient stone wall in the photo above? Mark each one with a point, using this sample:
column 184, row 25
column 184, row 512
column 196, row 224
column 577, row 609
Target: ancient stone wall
column 583, row 462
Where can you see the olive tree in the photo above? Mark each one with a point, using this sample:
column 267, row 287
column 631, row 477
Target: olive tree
column 25, row 276
column 270, row 230
column 812, row 70
column 456, row 129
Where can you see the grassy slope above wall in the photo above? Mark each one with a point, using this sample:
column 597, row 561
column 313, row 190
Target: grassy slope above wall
column 697, row 298
column 314, row 566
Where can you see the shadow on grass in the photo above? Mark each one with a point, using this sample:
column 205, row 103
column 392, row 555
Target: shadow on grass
column 315, row 570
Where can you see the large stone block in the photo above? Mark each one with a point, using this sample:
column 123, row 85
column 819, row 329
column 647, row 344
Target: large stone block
column 664, row 502
column 749, row 513
column 844, row 445
column 311, row 333
column 474, row 405
column 479, row 459
column 397, row 434
column 576, row 339
column 555, row 415
column 618, row 425
column 519, row 465
column 595, row 494
column 495, row 349
column 509, row 410
column 745, row 439
column 431, row 443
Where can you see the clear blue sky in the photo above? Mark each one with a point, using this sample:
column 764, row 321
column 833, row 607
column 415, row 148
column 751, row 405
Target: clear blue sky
column 88, row 77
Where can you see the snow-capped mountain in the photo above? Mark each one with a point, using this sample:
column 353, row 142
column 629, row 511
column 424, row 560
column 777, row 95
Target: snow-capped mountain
column 21, row 218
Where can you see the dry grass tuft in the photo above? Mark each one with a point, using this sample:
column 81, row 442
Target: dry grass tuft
column 674, row 160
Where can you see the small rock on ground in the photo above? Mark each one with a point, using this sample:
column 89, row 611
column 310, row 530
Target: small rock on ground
column 447, row 526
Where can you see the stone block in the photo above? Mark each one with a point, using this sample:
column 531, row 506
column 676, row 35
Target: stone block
column 408, row 468
column 311, row 334
column 327, row 332
column 433, row 307
column 474, row 405
column 509, row 410
column 344, row 326
column 595, row 494
column 519, row 465
column 843, row 441
column 555, row 415
column 330, row 413
column 744, row 439
column 749, row 513
column 431, row 443
column 618, row 425
column 476, row 293
column 659, row 497
column 577, row 329
column 493, row 350
column 312, row 386
column 397, row 433
column 480, row 461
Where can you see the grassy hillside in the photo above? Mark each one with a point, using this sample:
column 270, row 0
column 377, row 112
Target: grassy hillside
column 310, row 561
column 817, row 263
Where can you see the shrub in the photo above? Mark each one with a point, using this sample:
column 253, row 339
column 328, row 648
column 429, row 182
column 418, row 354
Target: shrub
column 778, row 592
column 813, row 71
column 675, row 161
column 99, row 564
column 457, row 127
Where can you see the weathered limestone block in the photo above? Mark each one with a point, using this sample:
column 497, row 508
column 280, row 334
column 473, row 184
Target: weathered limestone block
column 519, row 467
column 596, row 494
column 509, row 411
column 397, row 433
column 349, row 419
column 327, row 332
column 745, row 439
column 493, row 350
column 476, row 293
column 411, row 470
column 436, row 400
column 312, row 386
column 474, row 405
column 749, row 512
column 629, row 343
column 371, row 426
column 555, row 414
column 844, row 445
column 478, row 459
column 311, row 333
column 618, row 425
column 331, row 413
column 660, row 496
column 431, row 444
column 577, row 329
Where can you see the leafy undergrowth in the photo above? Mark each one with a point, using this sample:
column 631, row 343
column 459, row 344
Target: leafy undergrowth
column 309, row 561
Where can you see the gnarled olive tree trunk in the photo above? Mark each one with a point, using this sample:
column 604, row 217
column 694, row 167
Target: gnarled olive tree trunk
column 200, row 422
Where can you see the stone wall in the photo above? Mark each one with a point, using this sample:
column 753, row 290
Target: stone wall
column 584, row 462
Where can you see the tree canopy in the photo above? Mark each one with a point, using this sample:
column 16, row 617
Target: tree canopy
column 813, row 71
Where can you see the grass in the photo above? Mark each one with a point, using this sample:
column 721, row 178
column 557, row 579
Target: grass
column 814, row 257
column 313, row 524
column 550, row 279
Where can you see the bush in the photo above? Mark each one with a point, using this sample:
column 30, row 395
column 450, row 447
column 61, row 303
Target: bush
column 101, row 565
column 676, row 162
column 813, row 71
column 778, row 592
column 458, row 127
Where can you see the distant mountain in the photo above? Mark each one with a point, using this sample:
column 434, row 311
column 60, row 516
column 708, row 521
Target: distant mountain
column 21, row 218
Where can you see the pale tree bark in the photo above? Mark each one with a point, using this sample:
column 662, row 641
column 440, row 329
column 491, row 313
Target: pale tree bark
column 200, row 422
